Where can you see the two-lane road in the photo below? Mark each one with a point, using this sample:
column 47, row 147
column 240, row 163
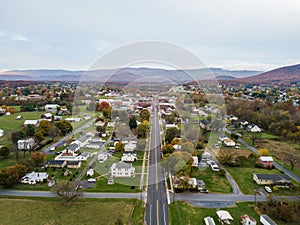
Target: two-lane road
column 157, row 205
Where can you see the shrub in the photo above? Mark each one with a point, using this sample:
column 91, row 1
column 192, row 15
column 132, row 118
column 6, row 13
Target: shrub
column 222, row 172
column 257, row 165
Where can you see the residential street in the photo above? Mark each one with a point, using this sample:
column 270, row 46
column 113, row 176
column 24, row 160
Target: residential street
column 63, row 139
column 157, row 204
column 86, row 194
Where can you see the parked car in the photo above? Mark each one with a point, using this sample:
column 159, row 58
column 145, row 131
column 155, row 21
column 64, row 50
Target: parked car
column 256, row 146
column 268, row 189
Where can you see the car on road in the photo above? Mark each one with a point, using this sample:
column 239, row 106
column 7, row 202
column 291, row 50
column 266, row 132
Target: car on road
column 268, row 189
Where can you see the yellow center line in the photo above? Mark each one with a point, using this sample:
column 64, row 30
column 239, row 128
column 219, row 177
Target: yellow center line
column 157, row 218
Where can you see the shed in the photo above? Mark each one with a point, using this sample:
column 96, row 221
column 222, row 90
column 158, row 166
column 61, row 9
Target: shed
column 224, row 217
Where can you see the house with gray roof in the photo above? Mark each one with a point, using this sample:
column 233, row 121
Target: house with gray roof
column 281, row 180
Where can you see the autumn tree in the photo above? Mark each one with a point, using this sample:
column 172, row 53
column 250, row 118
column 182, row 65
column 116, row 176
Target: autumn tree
column 171, row 133
column 176, row 161
column 188, row 147
column 143, row 129
column 263, row 152
column 168, row 149
column 103, row 105
column 107, row 112
column 144, row 115
column 9, row 176
column 226, row 156
column 101, row 129
column 37, row 158
column 176, row 141
column 170, row 119
column 44, row 127
column 64, row 126
column 119, row 147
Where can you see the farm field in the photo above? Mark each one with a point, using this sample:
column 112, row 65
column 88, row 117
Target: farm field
column 51, row 211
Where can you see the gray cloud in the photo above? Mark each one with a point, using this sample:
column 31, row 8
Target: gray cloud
column 73, row 34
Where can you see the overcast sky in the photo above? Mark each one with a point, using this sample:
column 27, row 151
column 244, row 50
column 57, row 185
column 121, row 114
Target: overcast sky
column 233, row 34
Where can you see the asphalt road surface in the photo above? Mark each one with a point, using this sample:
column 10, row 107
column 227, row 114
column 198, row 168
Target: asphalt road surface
column 157, row 204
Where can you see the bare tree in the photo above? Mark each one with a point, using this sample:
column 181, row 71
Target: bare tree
column 292, row 158
column 14, row 148
column 226, row 156
column 68, row 193
column 254, row 136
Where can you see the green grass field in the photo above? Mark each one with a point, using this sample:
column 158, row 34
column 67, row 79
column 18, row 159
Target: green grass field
column 85, row 211
column 183, row 213
column 214, row 182
column 243, row 177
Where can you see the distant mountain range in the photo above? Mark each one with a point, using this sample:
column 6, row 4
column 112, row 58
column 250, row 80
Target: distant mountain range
column 125, row 74
column 281, row 76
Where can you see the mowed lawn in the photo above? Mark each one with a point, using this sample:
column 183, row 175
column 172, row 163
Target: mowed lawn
column 183, row 213
column 214, row 182
column 85, row 211
column 243, row 177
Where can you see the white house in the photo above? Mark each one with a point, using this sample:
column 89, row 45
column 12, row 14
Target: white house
column 129, row 147
column 1, row 132
column 122, row 169
column 177, row 147
column 51, row 107
column 195, row 161
column 31, row 122
column 224, row 217
column 193, row 182
column 47, row 116
column 253, row 128
column 73, row 119
column 111, row 124
column 33, row 178
column 229, row 142
column 90, row 172
column 248, row 220
column 26, row 144
column 129, row 157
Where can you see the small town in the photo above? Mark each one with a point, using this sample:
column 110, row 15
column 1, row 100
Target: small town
column 150, row 112
column 104, row 143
